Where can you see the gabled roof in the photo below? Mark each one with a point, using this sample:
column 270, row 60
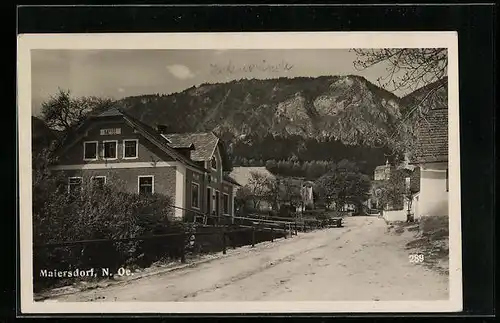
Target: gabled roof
column 204, row 143
column 158, row 139
column 112, row 112
column 145, row 130
column 432, row 138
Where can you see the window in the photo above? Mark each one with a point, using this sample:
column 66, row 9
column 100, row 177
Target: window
column 195, row 195
column 130, row 148
column 75, row 185
column 109, row 148
column 214, row 162
column 146, row 185
column 225, row 203
column 447, row 181
column 213, row 201
column 98, row 182
column 90, row 150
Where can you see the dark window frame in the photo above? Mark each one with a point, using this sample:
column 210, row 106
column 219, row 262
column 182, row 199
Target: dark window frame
column 70, row 191
column 94, row 178
column 139, row 185
column 85, row 150
column 104, row 145
column 197, row 204
column 136, row 148
column 213, row 163
column 225, row 203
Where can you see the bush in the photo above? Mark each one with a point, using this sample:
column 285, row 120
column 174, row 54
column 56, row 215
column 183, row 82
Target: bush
column 316, row 214
column 286, row 211
column 99, row 213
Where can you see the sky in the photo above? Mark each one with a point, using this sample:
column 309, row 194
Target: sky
column 120, row 73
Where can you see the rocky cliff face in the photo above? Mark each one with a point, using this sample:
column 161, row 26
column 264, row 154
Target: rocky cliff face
column 345, row 108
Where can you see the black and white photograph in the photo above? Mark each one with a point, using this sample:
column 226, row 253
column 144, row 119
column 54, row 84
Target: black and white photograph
column 239, row 172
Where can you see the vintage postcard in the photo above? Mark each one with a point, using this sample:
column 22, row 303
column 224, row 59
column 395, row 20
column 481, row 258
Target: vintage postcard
column 239, row 173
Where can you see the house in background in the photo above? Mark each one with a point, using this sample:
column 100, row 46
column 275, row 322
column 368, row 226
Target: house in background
column 431, row 156
column 407, row 177
column 307, row 194
column 382, row 172
column 188, row 167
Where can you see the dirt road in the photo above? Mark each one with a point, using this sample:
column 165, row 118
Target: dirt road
column 358, row 262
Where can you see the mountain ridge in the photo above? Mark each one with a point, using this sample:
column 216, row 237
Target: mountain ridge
column 303, row 106
column 303, row 118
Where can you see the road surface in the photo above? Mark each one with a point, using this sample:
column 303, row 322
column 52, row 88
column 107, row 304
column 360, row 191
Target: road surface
column 359, row 262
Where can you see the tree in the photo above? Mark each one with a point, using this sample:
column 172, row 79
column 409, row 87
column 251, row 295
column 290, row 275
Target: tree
column 63, row 112
column 259, row 187
column 241, row 198
column 342, row 185
column 314, row 170
column 408, row 69
column 396, row 190
column 290, row 192
column 273, row 194
column 272, row 166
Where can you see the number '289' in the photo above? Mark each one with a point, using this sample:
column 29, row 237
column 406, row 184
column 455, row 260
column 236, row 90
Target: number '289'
column 416, row 258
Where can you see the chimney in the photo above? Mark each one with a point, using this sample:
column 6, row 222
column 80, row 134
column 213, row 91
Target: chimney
column 161, row 128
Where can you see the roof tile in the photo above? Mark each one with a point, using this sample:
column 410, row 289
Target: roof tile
column 204, row 143
column 432, row 137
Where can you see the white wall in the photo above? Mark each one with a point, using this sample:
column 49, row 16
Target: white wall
column 180, row 190
column 433, row 197
column 398, row 215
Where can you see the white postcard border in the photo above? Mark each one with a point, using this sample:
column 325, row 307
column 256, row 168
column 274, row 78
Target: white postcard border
column 222, row 41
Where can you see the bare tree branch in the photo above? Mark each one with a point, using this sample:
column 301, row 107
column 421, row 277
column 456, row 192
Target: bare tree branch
column 408, row 69
column 62, row 111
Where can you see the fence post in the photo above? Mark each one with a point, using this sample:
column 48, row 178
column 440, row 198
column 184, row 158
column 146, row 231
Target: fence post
column 224, row 241
column 284, row 229
column 295, row 227
column 253, row 236
column 290, row 229
column 272, row 234
column 183, row 248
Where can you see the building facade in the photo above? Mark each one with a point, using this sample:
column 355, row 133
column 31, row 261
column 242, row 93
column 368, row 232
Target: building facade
column 431, row 155
column 115, row 147
column 382, row 172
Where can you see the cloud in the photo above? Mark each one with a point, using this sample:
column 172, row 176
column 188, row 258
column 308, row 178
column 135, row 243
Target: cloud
column 121, row 90
column 180, row 71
